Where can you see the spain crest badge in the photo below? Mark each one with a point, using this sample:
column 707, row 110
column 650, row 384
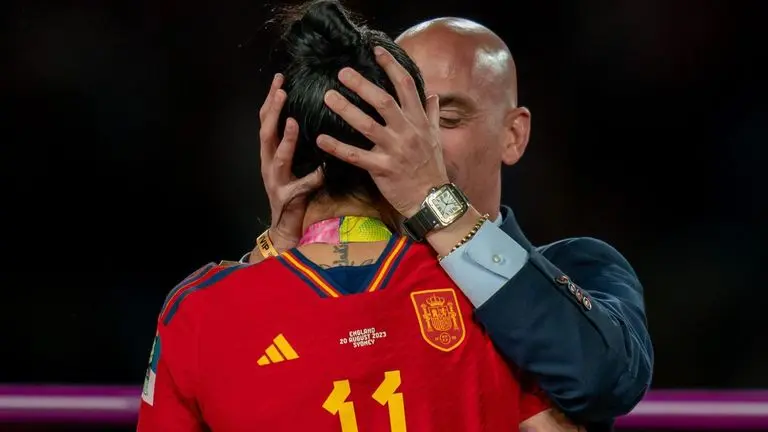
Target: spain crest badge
column 439, row 318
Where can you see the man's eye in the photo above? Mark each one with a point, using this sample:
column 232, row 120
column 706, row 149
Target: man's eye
column 449, row 122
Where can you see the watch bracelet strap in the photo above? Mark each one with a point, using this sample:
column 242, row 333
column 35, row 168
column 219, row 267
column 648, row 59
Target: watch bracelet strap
column 480, row 221
column 264, row 243
column 418, row 225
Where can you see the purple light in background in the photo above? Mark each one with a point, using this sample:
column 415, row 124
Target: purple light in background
column 677, row 409
column 720, row 410
column 67, row 404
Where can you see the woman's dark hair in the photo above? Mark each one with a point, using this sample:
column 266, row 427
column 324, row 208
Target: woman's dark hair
column 320, row 39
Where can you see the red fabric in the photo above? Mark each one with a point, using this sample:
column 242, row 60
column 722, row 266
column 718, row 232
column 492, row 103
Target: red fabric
column 445, row 368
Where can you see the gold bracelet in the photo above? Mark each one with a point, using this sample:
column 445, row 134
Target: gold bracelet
column 467, row 237
column 266, row 247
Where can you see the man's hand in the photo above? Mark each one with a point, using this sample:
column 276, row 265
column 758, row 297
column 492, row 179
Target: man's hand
column 407, row 159
column 287, row 193
column 550, row 421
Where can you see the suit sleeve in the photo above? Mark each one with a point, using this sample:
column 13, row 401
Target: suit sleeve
column 168, row 401
column 574, row 318
column 533, row 400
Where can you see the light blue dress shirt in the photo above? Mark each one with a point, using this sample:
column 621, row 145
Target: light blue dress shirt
column 481, row 266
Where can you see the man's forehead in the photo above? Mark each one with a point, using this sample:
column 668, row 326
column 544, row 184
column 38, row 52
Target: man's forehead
column 439, row 63
column 459, row 56
column 441, row 47
column 452, row 82
column 450, row 73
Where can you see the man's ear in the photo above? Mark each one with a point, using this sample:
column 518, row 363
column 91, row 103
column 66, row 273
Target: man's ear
column 518, row 127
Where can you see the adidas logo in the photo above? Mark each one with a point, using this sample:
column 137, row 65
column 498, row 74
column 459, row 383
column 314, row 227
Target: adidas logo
column 278, row 351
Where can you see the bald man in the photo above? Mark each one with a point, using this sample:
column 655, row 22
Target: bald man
column 570, row 313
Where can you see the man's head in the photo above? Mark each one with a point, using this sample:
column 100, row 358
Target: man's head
column 472, row 71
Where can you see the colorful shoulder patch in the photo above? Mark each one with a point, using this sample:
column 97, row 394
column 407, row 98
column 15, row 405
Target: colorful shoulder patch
column 148, row 390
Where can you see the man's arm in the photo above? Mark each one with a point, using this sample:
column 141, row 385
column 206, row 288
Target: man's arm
column 549, row 421
column 592, row 357
column 536, row 412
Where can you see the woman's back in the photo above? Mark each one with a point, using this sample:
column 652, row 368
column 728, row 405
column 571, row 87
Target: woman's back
column 284, row 345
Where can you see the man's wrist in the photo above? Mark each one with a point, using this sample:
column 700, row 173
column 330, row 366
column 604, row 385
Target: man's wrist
column 416, row 207
column 444, row 240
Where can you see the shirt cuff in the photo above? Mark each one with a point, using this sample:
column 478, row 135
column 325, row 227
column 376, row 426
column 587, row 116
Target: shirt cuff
column 485, row 263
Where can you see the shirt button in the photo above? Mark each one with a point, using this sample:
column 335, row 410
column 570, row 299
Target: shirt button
column 497, row 259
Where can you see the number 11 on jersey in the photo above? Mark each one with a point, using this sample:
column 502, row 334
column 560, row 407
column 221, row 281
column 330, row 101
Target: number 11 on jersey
column 337, row 403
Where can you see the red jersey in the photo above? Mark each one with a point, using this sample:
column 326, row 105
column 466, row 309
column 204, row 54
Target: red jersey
column 284, row 345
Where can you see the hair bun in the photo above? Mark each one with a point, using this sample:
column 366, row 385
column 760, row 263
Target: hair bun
column 322, row 30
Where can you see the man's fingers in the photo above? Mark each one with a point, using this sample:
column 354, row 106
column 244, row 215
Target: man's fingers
column 433, row 111
column 303, row 186
column 284, row 155
column 268, row 130
column 367, row 160
column 376, row 97
column 277, row 82
column 403, row 81
column 356, row 118
column 311, row 181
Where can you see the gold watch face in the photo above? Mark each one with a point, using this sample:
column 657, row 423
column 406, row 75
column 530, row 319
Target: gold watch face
column 447, row 206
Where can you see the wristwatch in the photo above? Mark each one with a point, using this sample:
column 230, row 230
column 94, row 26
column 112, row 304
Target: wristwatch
column 442, row 207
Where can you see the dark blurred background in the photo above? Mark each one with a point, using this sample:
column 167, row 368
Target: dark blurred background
column 130, row 158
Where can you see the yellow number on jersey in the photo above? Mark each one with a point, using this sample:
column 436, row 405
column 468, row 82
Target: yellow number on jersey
column 337, row 403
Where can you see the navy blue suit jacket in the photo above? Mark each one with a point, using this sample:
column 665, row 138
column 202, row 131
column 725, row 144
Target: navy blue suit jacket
column 593, row 357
